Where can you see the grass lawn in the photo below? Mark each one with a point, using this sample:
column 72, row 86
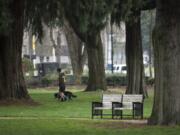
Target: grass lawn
column 79, row 127
column 79, row 107
column 52, row 117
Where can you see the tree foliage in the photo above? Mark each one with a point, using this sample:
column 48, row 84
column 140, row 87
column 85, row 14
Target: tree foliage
column 5, row 16
column 42, row 11
column 87, row 16
column 124, row 10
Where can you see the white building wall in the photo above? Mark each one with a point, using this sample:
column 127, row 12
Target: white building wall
column 46, row 52
column 119, row 44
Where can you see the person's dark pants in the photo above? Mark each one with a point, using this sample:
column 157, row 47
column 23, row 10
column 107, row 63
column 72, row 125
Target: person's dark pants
column 61, row 92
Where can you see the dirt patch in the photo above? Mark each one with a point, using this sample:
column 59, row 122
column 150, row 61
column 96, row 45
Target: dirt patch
column 16, row 102
column 121, row 124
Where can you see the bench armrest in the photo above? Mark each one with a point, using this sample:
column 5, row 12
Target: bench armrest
column 96, row 104
column 137, row 105
column 116, row 104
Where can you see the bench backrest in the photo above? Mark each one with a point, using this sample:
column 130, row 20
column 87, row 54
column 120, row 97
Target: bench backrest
column 128, row 99
column 107, row 99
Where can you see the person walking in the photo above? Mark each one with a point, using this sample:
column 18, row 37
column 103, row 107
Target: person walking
column 62, row 86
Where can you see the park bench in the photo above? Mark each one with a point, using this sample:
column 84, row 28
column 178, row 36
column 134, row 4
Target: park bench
column 132, row 102
column 105, row 104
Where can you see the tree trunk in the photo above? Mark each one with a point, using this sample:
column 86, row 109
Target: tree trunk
column 55, row 45
column 12, row 84
column 134, row 57
column 95, row 63
column 150, row 59
column 166, row 108
column 112, row 48
column 150, row 44
column 77, row 52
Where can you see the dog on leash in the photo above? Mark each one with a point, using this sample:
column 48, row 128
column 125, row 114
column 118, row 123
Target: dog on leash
column 68, row 96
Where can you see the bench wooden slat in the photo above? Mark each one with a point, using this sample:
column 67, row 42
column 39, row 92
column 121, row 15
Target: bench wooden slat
column 107, row 99
column 128, row 99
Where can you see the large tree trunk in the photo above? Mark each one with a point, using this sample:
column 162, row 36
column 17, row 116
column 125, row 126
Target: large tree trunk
column 150, row 44
column 166, row 109
column 77, row 52
column 95, row 63
column 134, row 57
column 12, row 84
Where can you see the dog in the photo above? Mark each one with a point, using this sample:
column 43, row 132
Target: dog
column 68, row 96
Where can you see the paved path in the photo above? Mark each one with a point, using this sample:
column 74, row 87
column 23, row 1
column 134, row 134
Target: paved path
column 144, row 121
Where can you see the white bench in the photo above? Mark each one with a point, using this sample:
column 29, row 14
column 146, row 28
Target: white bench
column 106, row 104
column 132, row 102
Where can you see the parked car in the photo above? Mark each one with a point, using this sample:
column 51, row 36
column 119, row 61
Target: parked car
column 119, row 68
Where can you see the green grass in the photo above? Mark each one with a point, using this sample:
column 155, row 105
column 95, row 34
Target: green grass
column 79, row 107
column 50, row 107
column 53, row 117
column 78, row 127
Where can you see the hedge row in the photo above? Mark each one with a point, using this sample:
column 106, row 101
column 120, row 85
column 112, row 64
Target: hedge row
column 112, row 80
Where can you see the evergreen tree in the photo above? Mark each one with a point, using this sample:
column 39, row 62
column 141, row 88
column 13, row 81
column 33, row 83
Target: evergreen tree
column 88, row 18
column 166, row 43
column 77, row 52
column 12, row 84
column 14, row 17
column 129, row 11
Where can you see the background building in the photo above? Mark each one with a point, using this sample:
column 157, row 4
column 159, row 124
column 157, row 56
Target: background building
column 53, row 47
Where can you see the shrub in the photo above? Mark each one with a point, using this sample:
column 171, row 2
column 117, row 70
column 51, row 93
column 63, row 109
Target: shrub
column 116, row 80
column 27, row 65
column 70, row 79
column 49, row 79
column 33, row 82
column 112, row 80
column 84, row 79
column 150, row 81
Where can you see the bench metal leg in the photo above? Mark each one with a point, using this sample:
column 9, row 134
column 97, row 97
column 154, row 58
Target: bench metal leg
column 117, row 113
column 101, row 114
column 92, row 116
column 133, row 113
column 97, row 113
column 92, row 112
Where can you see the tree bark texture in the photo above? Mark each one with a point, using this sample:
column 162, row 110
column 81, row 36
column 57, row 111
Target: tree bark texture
column 150, row 45
column 95, row 55
column 12, row 84
column 134, row 57
column 95, row 63
column 77, row 51
column 166, row 42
